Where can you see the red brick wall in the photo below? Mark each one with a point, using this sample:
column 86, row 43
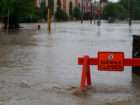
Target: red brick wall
column 76, row 3
column 35, row 2
column 64, row 5
column 87, row 2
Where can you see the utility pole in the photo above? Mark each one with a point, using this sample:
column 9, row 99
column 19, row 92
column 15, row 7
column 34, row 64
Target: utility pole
column 49, row 23
column 130, row 11
column 82, row 11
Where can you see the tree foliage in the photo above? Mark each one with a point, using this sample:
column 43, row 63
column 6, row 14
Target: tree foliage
column 135, row 7
column 77, row 13
column 114, row 10
column 124, row 3
column 70, row 9
column 58, row 3
column 36, row 15
column 51, row 5
column 18, row 10
column 60, row 14
column 121, row 9
column 42, row 4
column 16, row 7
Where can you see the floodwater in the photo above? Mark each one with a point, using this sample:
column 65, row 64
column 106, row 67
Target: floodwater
column 40, row 68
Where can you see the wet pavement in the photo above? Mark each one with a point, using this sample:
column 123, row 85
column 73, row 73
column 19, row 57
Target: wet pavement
column 37, row 68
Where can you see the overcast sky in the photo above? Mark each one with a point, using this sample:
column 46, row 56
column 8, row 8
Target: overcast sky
column 109, row 0
column 113, row 0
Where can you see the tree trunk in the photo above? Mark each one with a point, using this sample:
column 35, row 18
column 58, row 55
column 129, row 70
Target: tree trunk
column 12, row 22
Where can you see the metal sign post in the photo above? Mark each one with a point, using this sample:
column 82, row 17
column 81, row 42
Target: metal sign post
column 99, row 21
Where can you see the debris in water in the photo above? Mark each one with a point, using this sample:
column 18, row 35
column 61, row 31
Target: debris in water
column 89, row 87
column 71, row 88
column 80, row 92
column 2, row 81
column 55, row 87
column 108, row 104
column 2, row 84
column 24, row 85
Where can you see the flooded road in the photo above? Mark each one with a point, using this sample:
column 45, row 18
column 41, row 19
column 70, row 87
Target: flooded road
column 37, row 68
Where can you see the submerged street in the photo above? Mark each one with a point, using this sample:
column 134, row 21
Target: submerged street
column 41, row 68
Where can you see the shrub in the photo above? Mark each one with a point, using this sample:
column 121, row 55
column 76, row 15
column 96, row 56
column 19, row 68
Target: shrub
column 60, row 14
column 77, row 13
column 45, row 13
column 36, row 15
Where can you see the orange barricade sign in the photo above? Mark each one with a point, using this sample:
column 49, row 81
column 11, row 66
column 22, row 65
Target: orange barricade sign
column 106, row 61
column 111, row 61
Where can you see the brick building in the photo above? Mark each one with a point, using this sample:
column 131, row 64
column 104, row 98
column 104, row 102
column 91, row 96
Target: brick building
column 75, row 3
column 64, row 4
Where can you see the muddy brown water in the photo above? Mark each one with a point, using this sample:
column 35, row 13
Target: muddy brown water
column 37, row 68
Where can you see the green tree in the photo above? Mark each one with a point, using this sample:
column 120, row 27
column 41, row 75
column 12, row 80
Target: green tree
column 114, row 10
column 70, row 9
column 51, row 5
column 45, row 12
column 124, row 3
column 135, row 7
column 58, row 3
column 36, row 15
column 77, row 13
column 60, row 14
column 42, row 4
column 17, row 9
